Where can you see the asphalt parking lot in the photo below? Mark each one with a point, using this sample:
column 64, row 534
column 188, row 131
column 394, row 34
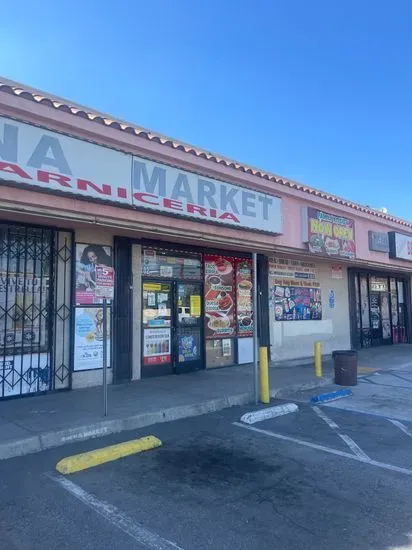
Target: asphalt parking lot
column 322, row 477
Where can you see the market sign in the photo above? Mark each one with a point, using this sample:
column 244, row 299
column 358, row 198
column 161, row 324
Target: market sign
column 379, row 242
column 174, row 191
column 55, row 162
column 400, row 246
column 328, row 234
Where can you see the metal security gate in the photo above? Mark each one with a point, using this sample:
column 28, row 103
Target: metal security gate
column 35, row 314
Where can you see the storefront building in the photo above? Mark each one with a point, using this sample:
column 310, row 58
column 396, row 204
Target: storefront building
column 80, row 192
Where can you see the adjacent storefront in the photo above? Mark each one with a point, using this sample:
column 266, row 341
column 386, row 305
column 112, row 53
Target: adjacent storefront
column 379, row 309
column 308, row 303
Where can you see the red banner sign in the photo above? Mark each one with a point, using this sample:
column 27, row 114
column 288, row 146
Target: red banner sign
column 219, row 297
column 244, row 289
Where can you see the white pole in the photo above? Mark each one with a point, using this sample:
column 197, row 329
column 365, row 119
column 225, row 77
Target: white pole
column 255, row 333
column 104, row 356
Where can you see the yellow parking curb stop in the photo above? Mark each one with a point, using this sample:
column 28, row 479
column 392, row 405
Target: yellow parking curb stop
column 83, row 461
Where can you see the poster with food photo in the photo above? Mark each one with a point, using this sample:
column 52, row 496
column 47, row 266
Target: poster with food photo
column 219, row 296
column 331, row 235
column 88, row 257
column 297, row 303
column 244, row 290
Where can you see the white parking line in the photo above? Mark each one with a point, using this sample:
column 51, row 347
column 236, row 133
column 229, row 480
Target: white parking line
column 400, row 426
column 116, row 517
column 354, row 447
column 369, row 461
column 325, row 418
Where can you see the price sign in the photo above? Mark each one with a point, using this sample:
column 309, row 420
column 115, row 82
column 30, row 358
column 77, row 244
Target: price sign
column 105, row 282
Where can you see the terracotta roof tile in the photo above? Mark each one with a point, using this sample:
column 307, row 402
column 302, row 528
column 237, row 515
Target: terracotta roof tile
column 14, row 88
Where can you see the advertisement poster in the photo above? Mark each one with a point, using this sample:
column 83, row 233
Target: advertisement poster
column 292, row 272
column 297, row 303
column 244, row 290
column 219, row 296
column 330, row 235
column 331, row 299
column 188, row 347
column 88, row 338
column 337, row 272
column 195, row 305
column 88, row 258
column 23, row 297
column 105, row 282
column 227, row 347
column 156, row 346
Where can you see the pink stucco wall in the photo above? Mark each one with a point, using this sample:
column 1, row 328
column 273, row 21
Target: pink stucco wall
column 66, row 211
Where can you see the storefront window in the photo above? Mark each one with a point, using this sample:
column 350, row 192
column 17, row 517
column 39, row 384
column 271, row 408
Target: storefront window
column 219, row 297
column 394, row 302
column 25, row 265
column 381, row 309
column 229, row 319
column 358, row 321
column 244, row 288
column 169, row 265
column 220, row 352
column 364, row 302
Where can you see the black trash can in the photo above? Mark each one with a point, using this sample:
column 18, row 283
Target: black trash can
column 346, row 367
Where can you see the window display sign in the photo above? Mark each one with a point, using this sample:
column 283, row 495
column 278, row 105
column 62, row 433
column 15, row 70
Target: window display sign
column 244, row 305
column 23, row 296
column 297, row 303
column 327, row 234
column 156, row 346
column 219, row 296
column 105, row 282
column 189, row 347
column 291, row 272
column 88, row 339
column 195, row 305
column 90, row 257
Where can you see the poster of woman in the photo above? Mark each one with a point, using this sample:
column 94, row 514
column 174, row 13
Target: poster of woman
column 88, row 257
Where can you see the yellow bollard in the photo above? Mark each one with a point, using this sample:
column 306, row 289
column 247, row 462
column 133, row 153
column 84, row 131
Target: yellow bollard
column 264, row 375
column 318, row 359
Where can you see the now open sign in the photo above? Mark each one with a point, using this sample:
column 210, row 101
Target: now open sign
column 105, row 282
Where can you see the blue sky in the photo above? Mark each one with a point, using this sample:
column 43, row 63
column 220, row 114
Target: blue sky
column 317, row 91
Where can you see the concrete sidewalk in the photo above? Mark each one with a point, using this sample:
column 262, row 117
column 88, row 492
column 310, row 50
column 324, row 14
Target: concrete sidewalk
column 32, row 424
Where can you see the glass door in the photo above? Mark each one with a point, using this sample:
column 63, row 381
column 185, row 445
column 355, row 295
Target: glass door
column 189, row 327
column 157, row 329
column 386, row 318
column 376, row 320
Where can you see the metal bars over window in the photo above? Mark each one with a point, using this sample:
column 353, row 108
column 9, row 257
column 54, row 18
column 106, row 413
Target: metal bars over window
column 35, row 316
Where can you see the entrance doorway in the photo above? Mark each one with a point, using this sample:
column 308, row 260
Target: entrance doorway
column 380, row 318
column 379, row 306
column 172, row 327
